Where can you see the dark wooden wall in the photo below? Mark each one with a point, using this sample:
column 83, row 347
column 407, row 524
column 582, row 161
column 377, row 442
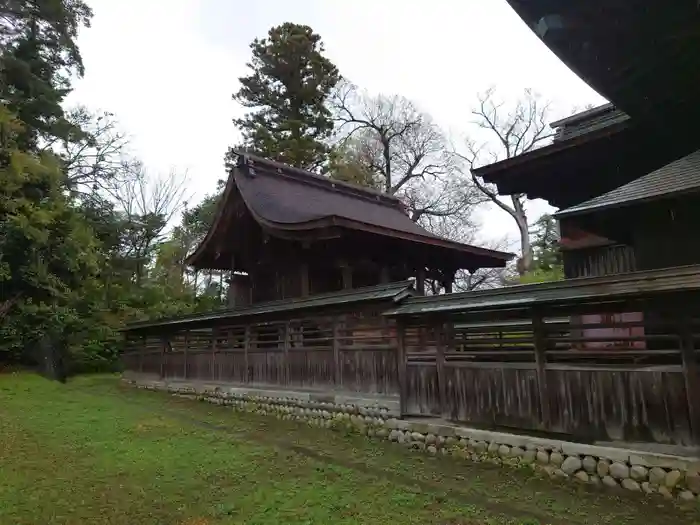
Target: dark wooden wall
column 350, row 352
column 566, row 370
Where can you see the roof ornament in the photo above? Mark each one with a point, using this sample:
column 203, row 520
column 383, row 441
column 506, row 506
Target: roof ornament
column 244, row 161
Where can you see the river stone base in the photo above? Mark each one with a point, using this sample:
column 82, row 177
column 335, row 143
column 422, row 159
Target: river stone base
column 673, row 477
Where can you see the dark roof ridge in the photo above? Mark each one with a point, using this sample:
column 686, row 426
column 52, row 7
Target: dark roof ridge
column 248, row 161
column 583, row 115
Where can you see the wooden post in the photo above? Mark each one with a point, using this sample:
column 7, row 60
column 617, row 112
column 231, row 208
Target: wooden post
column 187, row 344
column 420, row 280
column 384, row 276
column 304, row 268
column 163, row 350
column 144, row 340
column 347, row 277
column 214, row 343
column 246, row 347
column 401, row 361
column 440, row 340
column 338, row 371
column 540, row 345
column 690, row 375
column 285, row 349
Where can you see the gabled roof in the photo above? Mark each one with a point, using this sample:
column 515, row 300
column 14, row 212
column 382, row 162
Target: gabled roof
column 681, row 176
column 566, row 292
column 392, row 293
column 290, row 201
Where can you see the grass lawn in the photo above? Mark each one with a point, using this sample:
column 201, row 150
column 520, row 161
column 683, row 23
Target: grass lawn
column 97, row 452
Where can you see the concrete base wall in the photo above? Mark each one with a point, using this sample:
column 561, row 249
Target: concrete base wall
column 615, row 468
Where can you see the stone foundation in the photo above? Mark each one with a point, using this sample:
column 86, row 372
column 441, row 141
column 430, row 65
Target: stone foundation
column 672, row 477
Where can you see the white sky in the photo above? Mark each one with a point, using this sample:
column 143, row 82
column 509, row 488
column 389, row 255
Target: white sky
column 168, row 69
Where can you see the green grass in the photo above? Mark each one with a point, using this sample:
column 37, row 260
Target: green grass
column 95, row 451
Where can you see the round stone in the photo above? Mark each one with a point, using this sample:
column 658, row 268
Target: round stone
column 571, row 464
column 686, row 495
column 451, row 441
column 430, row 439
column 647, row 487
column 692, row 481
column 665, row 492
column 528, row 457
column 542, row 457
column 493, row 448
column 594, row 480
column 517, row 452
column 603, row 468
column 432, row 449
column 657, row 475
column 589, row 464
column 556, row 458
column 480, row 447
column 639, row 473
column 630, row 484
column 673, row 478
column 609, row 482
column 504, row 451
column 581, row 476
column 619, row 471
column 417, row 436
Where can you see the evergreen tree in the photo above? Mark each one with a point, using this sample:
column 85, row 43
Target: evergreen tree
column 39, row 55
column 287, row 89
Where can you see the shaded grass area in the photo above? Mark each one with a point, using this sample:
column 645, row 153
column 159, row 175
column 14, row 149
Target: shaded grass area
column 96, row 451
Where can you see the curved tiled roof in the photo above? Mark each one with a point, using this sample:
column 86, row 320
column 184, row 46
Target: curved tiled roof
column 287, row 199
column 681, row 176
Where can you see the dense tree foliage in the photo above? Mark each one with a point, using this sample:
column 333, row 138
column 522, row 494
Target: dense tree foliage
column 90, row 241
column 286, row 91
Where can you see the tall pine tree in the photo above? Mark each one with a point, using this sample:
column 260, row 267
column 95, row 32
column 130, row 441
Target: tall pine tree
column 287, row 89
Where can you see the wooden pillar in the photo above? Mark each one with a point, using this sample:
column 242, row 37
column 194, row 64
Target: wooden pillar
column 142, row 350
column 690, row 375
column 347, row 274
column 402, row 365
column 285, row 349
column 337, row 371
column 304, row 269
column 163, row 350
column 420, row 280
column 187, row 344
column 440, row 340
column 540, row 344
column 214, row 343
column 246, row 347
column 384, row 276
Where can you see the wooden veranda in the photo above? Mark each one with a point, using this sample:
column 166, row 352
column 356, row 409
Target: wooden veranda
column 596, row 359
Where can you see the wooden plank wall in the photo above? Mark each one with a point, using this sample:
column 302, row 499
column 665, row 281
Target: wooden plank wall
column 620, row 377
column 350, row 352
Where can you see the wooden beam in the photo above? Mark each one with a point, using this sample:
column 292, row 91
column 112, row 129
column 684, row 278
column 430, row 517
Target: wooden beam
column 420, row 280
column 690, row 375
column 540, row 340
column 401, row 361
column 304, row 269
column 384, row 276
column 346, row 269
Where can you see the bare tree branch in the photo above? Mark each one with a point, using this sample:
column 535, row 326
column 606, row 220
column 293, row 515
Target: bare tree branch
column 510, row 133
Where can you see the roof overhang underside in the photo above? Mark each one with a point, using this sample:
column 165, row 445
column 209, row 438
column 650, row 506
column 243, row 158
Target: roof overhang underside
column 571, row 171
column 642, row 55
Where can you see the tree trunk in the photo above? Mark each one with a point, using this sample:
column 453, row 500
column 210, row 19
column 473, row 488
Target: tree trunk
column 525, row 262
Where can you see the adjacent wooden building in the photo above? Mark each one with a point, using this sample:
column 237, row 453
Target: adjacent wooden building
column 288, row 233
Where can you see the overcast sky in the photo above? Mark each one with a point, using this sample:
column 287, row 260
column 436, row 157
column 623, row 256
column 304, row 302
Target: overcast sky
column 168, row 69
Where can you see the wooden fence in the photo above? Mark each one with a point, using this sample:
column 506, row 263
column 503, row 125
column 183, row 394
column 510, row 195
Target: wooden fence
column 618, row 370
column 584, row 361
column 351, row 352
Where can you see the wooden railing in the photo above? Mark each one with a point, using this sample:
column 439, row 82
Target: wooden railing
column 353, row 352
column 618, row 370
